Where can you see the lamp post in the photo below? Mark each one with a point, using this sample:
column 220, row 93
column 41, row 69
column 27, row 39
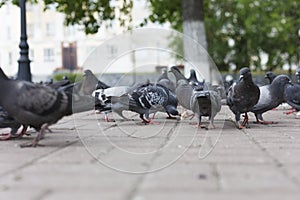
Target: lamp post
column 24, row 62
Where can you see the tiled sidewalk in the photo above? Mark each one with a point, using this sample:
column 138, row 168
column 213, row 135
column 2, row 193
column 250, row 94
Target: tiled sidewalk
column 87, row 158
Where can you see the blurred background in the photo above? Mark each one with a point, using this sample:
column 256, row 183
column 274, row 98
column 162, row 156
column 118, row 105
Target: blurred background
column 261, row 34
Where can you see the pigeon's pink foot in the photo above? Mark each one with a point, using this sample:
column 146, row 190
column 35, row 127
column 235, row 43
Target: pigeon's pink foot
column 5, row 136
column 290, row 112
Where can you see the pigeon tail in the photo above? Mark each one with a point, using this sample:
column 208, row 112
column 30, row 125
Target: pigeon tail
column 2, row 75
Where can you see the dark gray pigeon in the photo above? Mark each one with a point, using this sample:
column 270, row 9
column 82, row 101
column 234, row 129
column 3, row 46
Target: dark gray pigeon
column 242, row 96
column 164, row 80
column 271, row 96
column 292, row 96
column 32, row 104
column 270, row 76
column 202, row 102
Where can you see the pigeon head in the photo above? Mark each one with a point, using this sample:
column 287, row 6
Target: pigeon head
column 245, row 74
column 178, row 75
column 282, row 81
column 297, row 72
column 270, row 76
column 172, row 110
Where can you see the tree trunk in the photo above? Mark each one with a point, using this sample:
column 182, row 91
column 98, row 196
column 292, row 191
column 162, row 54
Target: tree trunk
column 193, row 26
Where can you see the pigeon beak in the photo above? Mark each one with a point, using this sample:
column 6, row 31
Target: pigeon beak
column 241, row 77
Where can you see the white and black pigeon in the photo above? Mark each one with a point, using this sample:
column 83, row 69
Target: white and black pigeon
column 7, row 121
column 270, row 76
column 297, row 75
column 164, row 80
column 143, row 99
column 32, row 104
column 271, row 96
column 242, row 96
column 201, row 102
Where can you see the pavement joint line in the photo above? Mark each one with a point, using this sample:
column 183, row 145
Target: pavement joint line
column 217, row 175
column 132, row 193
column 43, row 194
column 279, row 165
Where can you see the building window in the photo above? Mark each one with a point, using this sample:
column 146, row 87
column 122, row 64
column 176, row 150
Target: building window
column 10, row 58
column 48, row 55
column 112, row 51
column 50, row 29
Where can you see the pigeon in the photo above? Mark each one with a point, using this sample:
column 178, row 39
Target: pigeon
column 32, row 104
column 270, row 76
column 271, row 96
column 201, row 101
column 164, row 80
column 242, row 96
column 144, row 99
column 292, row 96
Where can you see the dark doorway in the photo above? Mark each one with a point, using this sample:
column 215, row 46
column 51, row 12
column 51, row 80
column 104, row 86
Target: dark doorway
column 69, row 55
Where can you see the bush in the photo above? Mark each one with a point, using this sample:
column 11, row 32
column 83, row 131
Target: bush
column 71, row 76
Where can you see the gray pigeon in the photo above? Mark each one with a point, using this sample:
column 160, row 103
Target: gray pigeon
column 164, row 80
column 271, row 96
column 32, row 104
column 242, row 96
column 201, row 102
column 270, row 76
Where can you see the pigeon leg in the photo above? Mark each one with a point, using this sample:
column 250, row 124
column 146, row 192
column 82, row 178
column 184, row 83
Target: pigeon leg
column 5, row 136
column 107, row 118
column 211, row 124
column 146, row 121
column 23, row 132
column 290, row 112
column 36, row 140
column 237, row 121
column 246, row 120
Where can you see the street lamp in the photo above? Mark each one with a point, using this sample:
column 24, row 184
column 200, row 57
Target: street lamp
column 24, row 62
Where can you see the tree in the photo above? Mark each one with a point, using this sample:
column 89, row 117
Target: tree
column 254, row 27
column 90, row 14
column 238, row 32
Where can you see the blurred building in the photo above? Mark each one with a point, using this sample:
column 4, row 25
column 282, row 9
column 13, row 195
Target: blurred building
column 54, row 46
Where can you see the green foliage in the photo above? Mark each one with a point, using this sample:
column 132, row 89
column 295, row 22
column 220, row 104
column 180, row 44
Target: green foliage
column 71, row 76
column 90, row 14
column 255, row 26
